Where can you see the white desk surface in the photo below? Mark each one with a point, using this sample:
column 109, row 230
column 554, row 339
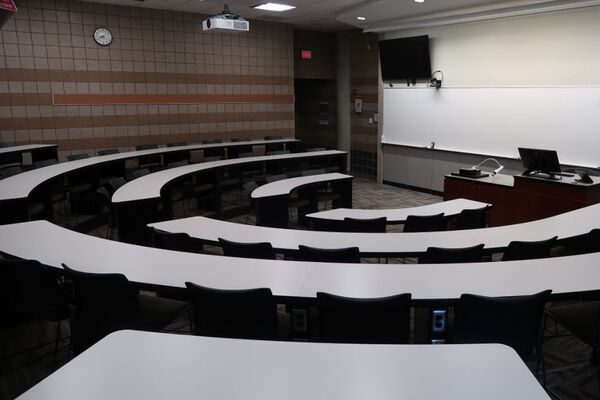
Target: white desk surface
column 569, row 224
column 133, row 365
column 25, row 148
column 286, row 186
column 149, row 186
column 53, row 245
column 397, row 215
column 21, row 185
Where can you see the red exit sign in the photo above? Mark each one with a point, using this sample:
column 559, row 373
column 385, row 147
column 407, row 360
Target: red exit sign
column 306, row 54
column 8, row 5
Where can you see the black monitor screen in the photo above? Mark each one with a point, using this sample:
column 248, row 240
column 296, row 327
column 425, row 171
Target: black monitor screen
column 405, row 58
column 539, row 160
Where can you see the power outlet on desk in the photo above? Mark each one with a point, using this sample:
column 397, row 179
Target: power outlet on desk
column 438, row 321
column 299, row 323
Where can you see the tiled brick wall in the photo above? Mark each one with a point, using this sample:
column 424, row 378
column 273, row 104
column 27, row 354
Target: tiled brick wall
column 161, row 80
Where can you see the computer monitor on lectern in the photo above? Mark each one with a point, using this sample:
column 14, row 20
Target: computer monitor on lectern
column 539, row 161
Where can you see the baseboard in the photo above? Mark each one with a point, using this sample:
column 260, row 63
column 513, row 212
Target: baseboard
column 415, row 188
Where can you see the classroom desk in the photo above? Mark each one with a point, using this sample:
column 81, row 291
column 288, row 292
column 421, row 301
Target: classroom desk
column 450, row 208
column 136, row 200
column 523, row 198
column 568, row 225
column 295, row 281
column 273, row 198
column 146, row 365
column 15, row 190
column 14, row 154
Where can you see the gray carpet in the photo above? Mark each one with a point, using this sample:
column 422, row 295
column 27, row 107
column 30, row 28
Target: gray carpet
column 573, row 383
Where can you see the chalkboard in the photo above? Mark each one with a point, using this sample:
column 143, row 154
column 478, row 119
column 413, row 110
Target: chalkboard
column 496, row 121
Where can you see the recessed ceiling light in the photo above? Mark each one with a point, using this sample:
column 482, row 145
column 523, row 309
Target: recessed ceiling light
column 273, row 7
column 419, row 1
column 361, row 18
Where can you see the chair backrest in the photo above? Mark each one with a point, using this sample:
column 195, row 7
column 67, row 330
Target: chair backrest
column 440, row 255
column 104, row 195
column 311, row 149
column 44, row 163
column 277, row 152
column 261, row 250
column 11, row 171
column 513, row 321
column 178, row 144
column 273, row 147
column 245, row 314
column 151, row 159
column 246, row 154
column 273, row 137
column 249, row 187
column 105, row 303
column 8, row 144
column 212, row 141
column 425, row 223
column 78, row 156
column 138, row 173
column 212, row 158
column 375, row 320
column 374, row 225
column 275, row 178
column 518, row 250
column 350, row 255
column 472, row 219
column 176, row 164
column 29, row 291
column 213, row 152
column 312, row 172
column 105, row 152
column 236, row 151
column 176, row 241
column 116, row 183
column 589, row 243
column 146, row 147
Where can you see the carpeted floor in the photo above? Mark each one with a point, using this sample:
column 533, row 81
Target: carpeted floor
column 579, row 382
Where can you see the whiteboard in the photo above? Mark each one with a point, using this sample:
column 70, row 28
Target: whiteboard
column 496, row 121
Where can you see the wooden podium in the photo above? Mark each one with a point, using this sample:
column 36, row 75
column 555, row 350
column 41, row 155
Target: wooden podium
column 523, row 198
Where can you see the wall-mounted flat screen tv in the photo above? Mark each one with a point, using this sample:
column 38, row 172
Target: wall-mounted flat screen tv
column 405, row 59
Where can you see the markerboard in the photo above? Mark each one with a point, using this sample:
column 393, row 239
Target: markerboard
column 497, row 121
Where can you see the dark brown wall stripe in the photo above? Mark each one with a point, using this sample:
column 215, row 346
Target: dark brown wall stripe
column 25, row 99
column 132, row 120
column 48, row 75
column 82, row 99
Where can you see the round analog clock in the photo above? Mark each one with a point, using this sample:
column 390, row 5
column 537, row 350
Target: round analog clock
column 103, row 36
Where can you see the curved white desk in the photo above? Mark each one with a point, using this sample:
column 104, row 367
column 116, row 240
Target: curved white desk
column 149, row 187
column 20, row 186
column 155, row 366
column 53, row 245
column 570, row 224
column 398, row 215
column 273, row 198
column 286, row 186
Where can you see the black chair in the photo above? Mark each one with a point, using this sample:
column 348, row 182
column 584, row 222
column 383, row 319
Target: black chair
column 582, row 319
column 440, row 255
column 270, row 147
column 7, row 144
column 215, row 151
column 176, row 156
column 235, row 151
column 106, row 152
column 425, row 223
column 472, row 219
column 350, row 255
column 373, row 225
column 108, row 302
column 324, row 193
column 29, row 292
column 277, row 152
column 44, row 163
column 77, row 156
column 11, row 171
column 512, row 321
column 373, row 320
column 107, row 209
column 518, row 250
column 275, row 178
column 247, row 250
column 150, row 161
column 243, row 314
column 80, row 185
column 588, row 243
column 176, row 241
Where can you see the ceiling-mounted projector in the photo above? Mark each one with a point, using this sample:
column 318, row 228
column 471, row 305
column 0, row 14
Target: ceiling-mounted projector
column 226, row 22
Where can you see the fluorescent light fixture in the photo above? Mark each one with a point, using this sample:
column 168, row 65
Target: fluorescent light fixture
column 361, row 18
column 273, row 7
column 419, row 1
